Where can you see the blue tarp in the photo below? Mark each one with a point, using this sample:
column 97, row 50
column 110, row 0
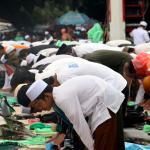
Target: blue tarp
column 133, row 146
column 73, row 18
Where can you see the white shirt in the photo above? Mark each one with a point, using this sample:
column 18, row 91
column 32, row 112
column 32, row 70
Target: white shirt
column 70, row 67
column 7, row 82
column 48, row 52
column 85, row 96
column 115, row 43
column 139, row 36
column 86, row 48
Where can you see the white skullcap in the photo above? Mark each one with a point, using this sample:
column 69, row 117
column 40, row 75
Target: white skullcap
column 46, row 32
column 9, row 49
column 133, row 55
column 143, row 23
column 18, row 88
column 34, row 71
column 27, row 36
column 23, row 63
column 36, row 89
column 3, row 60
column 30, row 58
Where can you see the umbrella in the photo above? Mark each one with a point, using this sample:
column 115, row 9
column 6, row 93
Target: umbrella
column 73, row 18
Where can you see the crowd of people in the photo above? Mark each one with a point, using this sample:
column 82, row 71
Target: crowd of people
column 86, row 83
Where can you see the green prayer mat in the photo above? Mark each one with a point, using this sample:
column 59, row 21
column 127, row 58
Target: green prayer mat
column 8, row 147
column 39, row 125
column 12, row 100
column 131, row 103
column 42, row 129
column 46, row 131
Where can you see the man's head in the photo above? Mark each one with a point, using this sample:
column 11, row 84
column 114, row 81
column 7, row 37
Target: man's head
column 128, row 50
column 143, row 24
column 12, row 56
column 27, row 38
column 129, row 70
column 37, row 96
column 22, row 75
column 63, row 30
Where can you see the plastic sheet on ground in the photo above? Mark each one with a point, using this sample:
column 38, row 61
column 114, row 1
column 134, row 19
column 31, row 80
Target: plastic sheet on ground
column 132, row 146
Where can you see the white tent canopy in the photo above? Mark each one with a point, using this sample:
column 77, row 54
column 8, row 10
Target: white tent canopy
column 6, row 27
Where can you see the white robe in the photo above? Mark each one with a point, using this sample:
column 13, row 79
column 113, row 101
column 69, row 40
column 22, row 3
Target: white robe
column 145, row 47
column 50, row 59
column 70, row 67
column 86, row 48
column 48, row 52
column 85, row 96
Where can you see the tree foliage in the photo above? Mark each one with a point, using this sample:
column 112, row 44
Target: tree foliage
column 27, row 13
column 19, row 12
column 50, row 12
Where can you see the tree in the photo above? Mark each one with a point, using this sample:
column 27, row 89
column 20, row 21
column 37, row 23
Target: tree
column 27, row 13
column 50, row 12
column 18, row 12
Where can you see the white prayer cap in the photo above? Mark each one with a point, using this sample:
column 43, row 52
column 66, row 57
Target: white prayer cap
column 143, row 23
column 18, row 88
column 36, row 89
column 30, row 58
column 9, row 49
column 46, row 32
column 3, row 59
column 23, row 63
column 34, row 71
column 26, row 37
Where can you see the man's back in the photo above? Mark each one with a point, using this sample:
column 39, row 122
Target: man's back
column 139, row 36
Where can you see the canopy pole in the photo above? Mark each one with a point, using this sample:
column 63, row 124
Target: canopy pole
column 117, row 21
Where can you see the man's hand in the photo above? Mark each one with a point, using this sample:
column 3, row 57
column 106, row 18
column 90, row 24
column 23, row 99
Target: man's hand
column 57, row 139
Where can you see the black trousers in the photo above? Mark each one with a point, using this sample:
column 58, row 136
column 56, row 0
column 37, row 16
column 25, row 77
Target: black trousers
column 124, row 104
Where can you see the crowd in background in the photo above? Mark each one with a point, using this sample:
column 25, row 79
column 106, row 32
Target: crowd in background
column 53, row 57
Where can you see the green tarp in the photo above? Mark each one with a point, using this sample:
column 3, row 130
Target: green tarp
column 95, row 34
